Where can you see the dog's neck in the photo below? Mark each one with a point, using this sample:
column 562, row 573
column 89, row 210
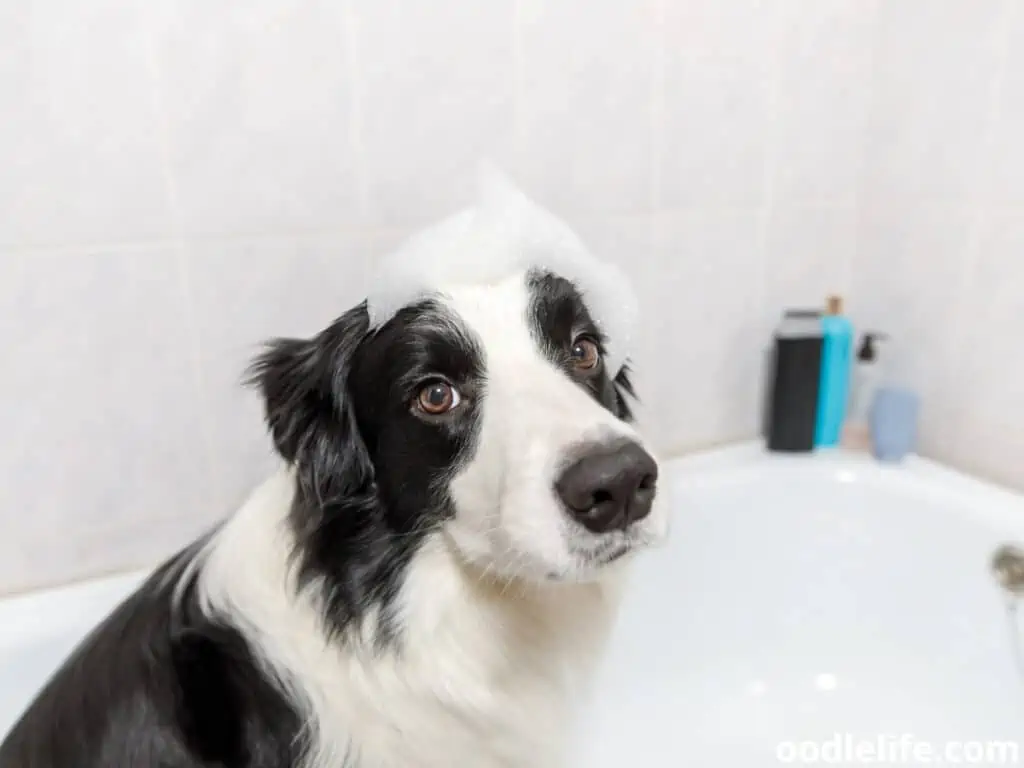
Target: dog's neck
column 483, row 670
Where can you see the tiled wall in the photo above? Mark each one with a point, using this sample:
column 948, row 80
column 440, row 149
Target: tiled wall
column 182, row 178
column 940, row 260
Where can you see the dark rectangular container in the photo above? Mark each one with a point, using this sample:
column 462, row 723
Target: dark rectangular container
column 795, row 382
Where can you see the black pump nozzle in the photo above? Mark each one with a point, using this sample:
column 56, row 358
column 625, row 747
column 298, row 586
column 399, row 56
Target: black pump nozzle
column 867, row 352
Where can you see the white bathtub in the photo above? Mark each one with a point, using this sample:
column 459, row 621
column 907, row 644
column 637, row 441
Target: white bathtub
column 804, row 605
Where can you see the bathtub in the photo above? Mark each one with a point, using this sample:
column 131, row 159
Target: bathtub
column 819, row 609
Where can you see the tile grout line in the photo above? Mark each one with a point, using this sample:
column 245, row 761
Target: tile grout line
column 766, row 206
column 862, row 150
column 975, row 202
column 188, row 242
column 349, row 29
column 659, row 98
column 181, row 251
column 518, row 86
column 975, row 206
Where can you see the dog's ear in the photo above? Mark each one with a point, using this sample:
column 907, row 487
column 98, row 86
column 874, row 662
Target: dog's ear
column 304, row 386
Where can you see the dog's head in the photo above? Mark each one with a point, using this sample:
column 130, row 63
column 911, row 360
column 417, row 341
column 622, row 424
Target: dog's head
column 481, row 396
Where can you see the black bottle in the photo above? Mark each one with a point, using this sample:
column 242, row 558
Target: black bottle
column 795, row 382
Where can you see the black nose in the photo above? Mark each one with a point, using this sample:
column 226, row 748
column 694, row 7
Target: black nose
column 610, row 487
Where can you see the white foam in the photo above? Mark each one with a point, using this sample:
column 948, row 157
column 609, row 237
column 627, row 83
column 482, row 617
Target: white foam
column 503, row 233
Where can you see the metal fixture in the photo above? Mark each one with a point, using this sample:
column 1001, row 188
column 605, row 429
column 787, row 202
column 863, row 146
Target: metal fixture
column 1008, row 567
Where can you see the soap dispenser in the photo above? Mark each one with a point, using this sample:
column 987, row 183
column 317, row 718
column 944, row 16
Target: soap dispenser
column 836, row 365
column 867, row 377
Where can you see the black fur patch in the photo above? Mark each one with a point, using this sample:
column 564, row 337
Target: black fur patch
column 338, row 406
column 558, row 317
column 157, row 684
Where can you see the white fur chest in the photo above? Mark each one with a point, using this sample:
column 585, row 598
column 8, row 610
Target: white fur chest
column 486, row 676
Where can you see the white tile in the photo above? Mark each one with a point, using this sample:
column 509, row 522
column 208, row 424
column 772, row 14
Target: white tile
column 908, row 282
column 718, row 82
column 245, row 293
column 102, row 418
column 717, row 117
column 824, row 80
column 702, row 340
column 587, row 93
column 258, row 102
column 991, row 317
column 436, row 96
column 624, row 240
column 78, row 146
column 933, row 73
column 995, row 454
column 1003, row 180
column 738, row 28
column 809, row 256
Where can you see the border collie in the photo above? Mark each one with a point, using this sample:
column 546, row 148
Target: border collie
column 428, row 579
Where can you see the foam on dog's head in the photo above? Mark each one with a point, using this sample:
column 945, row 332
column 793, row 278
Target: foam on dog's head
column 503, row 233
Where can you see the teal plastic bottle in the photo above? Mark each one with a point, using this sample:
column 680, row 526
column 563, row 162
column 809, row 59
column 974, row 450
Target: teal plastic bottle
column 836, row 369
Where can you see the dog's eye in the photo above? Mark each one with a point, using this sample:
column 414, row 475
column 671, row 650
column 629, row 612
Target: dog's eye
column 585, row 355
column 438, row 397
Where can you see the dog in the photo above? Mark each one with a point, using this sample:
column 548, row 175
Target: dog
column 429, row 578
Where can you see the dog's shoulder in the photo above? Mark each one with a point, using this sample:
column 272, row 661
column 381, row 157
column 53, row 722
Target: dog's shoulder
column 157, row 683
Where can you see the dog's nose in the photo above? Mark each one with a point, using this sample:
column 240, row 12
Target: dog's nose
column 609, row 488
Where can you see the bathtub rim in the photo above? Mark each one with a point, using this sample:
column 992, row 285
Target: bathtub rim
column 977, row 498
column 51, row 611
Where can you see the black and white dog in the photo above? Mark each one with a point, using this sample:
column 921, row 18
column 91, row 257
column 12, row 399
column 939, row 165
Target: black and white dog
column 428, row 580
